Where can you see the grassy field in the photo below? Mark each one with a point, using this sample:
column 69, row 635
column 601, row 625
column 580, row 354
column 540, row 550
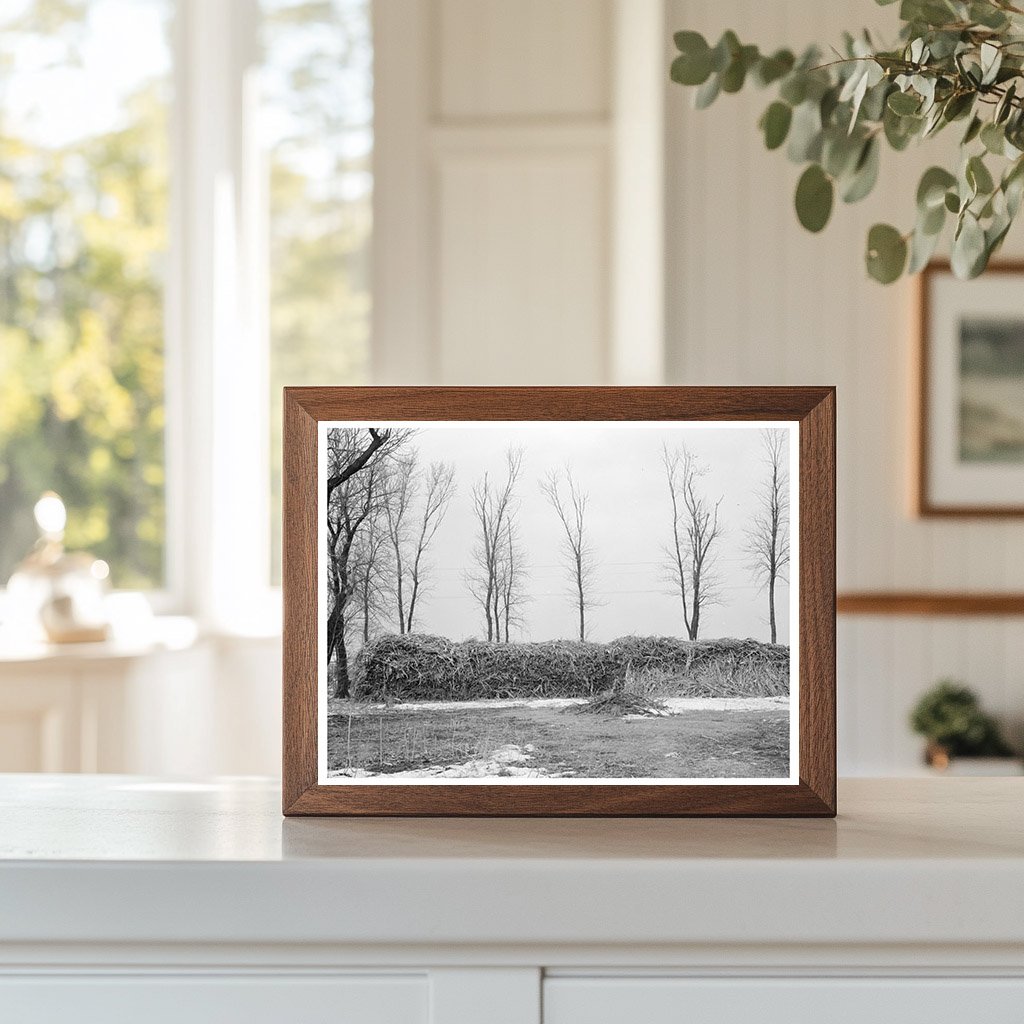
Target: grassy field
column 700, row 744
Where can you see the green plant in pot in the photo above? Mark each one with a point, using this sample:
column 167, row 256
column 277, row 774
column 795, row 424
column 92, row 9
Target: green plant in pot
column 957, row 63
column 951, row 719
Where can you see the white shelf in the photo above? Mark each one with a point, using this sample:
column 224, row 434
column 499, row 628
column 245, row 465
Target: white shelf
column 122, row 860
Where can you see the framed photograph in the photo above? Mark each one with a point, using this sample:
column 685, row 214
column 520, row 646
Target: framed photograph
column 970, row 450
column 559, row 601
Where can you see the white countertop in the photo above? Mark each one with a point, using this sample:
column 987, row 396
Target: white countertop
column 121, row 859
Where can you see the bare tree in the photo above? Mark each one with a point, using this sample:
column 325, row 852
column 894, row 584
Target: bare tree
column 511, row 581
column 695, row 529
column 373, row 572
column 396, row 512
column 412, row 525
column 494, row 508
column 357, row 492
column 351, row 450
column 768, row 533
column 571, row 509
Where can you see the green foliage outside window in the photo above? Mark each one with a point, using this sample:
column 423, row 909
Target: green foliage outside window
column 83, row 245
column 83, row 215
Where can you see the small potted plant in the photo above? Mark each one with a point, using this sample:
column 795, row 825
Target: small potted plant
column 950, row 718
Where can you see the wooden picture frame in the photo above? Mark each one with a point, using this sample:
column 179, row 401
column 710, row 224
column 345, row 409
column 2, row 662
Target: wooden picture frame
column 933, row 474
column 809, row 791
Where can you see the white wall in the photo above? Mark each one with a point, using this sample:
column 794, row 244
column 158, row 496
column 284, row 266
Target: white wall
column 500, row 133
column 754, row 299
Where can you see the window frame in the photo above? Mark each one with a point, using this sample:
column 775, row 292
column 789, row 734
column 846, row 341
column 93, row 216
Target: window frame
column 217, row 350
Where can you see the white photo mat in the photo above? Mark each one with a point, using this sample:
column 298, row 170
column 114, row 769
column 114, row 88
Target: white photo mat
column 793, row 777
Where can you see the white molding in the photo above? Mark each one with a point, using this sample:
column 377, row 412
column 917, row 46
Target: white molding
column 222, row 455
column 637, row 341
column 526, row 138
column 402, row 349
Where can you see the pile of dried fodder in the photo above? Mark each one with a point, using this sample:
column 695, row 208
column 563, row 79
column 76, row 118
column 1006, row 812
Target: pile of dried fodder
column 430, row 668
column 707, row 668
column 419, row 667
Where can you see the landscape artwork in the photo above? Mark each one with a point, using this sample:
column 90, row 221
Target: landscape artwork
column 991, row 389
column 557, row 602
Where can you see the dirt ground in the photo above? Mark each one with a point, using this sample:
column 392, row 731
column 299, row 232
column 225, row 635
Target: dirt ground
column 531, row 741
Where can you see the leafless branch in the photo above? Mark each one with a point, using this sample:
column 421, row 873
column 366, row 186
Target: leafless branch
column 695, row 531
column 767, row 535
column 571, row 509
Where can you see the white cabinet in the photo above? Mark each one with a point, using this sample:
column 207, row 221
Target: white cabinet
column 126, row 899
column 202, row 999
column 829, row 1000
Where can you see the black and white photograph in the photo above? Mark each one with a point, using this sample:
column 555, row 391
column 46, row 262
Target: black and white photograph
column 531, row 602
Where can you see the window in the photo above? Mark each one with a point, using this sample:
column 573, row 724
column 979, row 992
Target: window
column 238, row 217
column 83, row 236
column 317, row 116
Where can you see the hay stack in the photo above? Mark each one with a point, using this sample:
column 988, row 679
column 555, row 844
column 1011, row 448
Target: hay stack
column 430, row 668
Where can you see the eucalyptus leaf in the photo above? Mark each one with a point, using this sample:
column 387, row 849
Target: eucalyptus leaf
column 873, row 106
column 707, row 93
column 978, row 176
column 805, row 133
column 794, row 88
column 957, row 106
column 904, row 103
column 865, row 174
column 993, row 138
column 771, row 69
column 922, row 248
column 827, row 106
column 969, row 251
column 931, row 190
column 886, row 253
column 900, row 130
column 775, row 124
column 1013, row 187
column 814, row 196
column 932, row 221
column 690, row 70
column 973, row 130
column 1005, row 105
column 724, row 51
column 735, row 74
column 991, row 60
column 840, row 152
column 987, row 15
column 933, row 122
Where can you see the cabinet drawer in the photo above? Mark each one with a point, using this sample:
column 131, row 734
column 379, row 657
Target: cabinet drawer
column 782, row 1000
column 202, row 999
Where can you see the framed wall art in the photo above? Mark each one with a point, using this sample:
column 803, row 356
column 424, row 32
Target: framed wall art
column 970, row 444
column 559, row 601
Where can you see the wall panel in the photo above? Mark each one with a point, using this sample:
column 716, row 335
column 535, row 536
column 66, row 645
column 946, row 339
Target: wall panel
column 528, row 58
column 520, row 288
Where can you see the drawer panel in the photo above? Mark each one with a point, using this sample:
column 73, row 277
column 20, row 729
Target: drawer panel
column 202, row 999
column 782, row 1000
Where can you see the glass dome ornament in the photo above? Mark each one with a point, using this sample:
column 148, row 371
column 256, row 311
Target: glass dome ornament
column 55, row 595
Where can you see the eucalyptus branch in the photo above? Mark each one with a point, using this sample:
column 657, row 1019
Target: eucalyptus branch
column 956, row 61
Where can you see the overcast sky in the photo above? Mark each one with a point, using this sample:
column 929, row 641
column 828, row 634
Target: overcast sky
column 628, row 525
